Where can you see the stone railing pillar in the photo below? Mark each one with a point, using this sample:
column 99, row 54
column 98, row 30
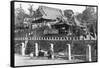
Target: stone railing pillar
column 69, row 51
column 52, row 50
column 36, row 49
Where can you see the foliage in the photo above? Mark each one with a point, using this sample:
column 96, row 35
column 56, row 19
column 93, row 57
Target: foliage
column 31, row 11
column 90, row 18
column 89, row 14
column 68, row 13
column 37, row 14
column 19, row 15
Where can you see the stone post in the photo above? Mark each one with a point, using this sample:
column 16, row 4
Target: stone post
column 69, row 51
column 88, row 53
column 23, row 49
column 36, row 49
column 52, row 50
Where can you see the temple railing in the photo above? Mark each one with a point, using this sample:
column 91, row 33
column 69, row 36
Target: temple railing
column 54, row 38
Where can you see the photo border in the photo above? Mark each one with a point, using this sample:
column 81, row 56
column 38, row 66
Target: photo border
column 12, row 14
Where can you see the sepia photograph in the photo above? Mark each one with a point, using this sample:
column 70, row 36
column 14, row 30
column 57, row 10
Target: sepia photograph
column 53, row 33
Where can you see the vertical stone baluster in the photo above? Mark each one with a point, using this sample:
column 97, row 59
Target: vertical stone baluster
column 36, row 49
column 88, row 53
column 69, row 51
column 52, row 50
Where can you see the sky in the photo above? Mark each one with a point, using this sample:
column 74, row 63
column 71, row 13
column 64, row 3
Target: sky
column 25, row 6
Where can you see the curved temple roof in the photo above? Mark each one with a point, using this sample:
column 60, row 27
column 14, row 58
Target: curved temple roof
column 50, row 13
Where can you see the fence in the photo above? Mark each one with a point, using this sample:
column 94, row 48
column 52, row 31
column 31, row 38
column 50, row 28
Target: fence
column 54, row 38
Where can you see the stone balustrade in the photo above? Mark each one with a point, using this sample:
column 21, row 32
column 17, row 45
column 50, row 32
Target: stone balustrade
column 55, row 38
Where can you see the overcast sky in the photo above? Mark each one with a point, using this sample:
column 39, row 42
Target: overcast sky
column 25, row 6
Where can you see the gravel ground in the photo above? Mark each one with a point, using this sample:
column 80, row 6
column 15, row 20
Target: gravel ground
column 26, row 60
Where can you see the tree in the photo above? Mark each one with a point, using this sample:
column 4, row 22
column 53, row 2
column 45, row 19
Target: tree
column 90, row 18
column 68, row 14
column 19, row 15
column 79, row 17
column 89, row 15
column 37, row 14
column 31, row 11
